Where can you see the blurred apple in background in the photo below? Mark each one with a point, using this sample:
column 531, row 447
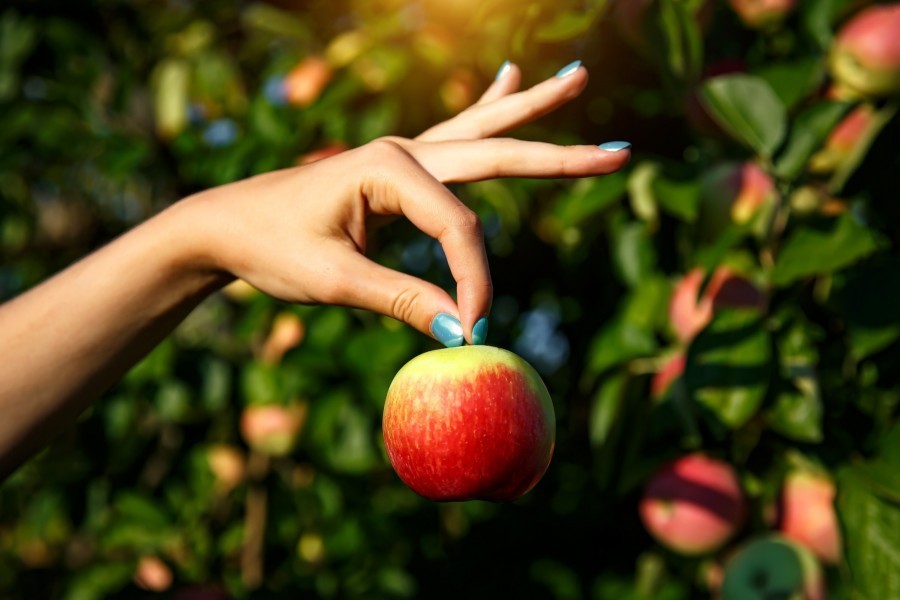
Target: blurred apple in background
column 273, row 429
column 667, row 375
column 227, row 464
column 467, row 423
column 689, row 314
column 865, row 57
column 305, row 82
column 152, row 574
column 842, row 140
column 286, row 334
column 693, row 505
column 808, row 516
column 762, row 14
column 733, row 193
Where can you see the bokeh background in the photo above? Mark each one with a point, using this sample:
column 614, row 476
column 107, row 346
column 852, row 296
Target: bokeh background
column 112, row 110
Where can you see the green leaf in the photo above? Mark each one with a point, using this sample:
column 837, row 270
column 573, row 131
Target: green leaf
column 793, row 81
column 260, row 384
column 818, row 19
column 640, row 191
column 807, row 134
column 634, row 255
column 728, row 364
column 588, row 197
column 568, row 25
column 865, row 297
column 797, row 415
column 871, row 545
column 823, row 247
column 619, row 342
column 746, row 107
column 679, row 198
column 606, row 408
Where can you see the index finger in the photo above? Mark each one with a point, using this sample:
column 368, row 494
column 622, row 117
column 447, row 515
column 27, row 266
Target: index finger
column 405, row 187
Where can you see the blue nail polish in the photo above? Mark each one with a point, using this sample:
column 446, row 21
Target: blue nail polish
column 569, row 68
column 479, row 331
column 447, row 330
column 503, row 70
column 614, row 146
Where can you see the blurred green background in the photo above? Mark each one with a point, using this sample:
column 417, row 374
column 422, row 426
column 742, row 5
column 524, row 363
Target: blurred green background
column 112, row 110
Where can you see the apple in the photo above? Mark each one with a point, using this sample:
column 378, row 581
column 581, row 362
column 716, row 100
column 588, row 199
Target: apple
column 305, row 82
column 842, row 140
column 227, row 465
column 458, row 90
column 762, row 14
column 773, row 567
column 667, row 375
column 273, row 429
column 807, row 514
column 693, row 505
column 152, row 574
column 287, row 332
column 865, row 57
column 467, row 423
column 689, row 314
column 733, row 193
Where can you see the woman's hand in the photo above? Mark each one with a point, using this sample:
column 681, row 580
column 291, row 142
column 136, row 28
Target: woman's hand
column 297, row 234
column 300, row 234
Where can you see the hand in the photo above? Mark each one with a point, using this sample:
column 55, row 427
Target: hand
column 300, row 234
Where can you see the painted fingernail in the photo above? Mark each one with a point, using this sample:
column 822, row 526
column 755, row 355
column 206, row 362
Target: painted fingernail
column 447, row 330
column 479, row 331
column 614, row 146
column 503, row 70
column 569, row 68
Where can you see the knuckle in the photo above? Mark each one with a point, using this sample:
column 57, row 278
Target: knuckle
column 404, row 304
column 467, row 221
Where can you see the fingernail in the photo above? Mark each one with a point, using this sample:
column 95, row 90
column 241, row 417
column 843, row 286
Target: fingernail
column 569, row 68
column 479, row 331
column 614, row 146
column 447, row 330
column 503, row 70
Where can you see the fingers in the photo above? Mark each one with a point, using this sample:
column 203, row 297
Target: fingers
column 368, row 285
column 402, row 186
column 507, row 81
column 476, row 160
column 484, row 120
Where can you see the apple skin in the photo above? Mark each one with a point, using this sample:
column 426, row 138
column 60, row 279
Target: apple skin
column 305, row 82
column 152, row 574
column 808, row 516
column 762, row 14
column 773, row 567
column 469, row 423
column 865, row 57
column 689, row 315
column 227, row 465
column 667, row 375
column 733, row 193
column 842, row 140
column 273, row 429
column 693, row 505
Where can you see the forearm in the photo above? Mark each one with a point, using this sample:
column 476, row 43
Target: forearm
column 67, row 340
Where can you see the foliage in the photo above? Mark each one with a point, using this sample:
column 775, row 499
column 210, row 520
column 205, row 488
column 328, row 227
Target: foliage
column 113, row 110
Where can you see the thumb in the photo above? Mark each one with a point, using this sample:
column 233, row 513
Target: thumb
column 425, row 306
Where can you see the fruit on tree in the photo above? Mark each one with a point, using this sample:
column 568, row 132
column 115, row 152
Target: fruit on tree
column 808, row 516
column 842, row 140
column 689, row 314
column 693, row 505
column 865, row 57
column 227, row 465
column 273, row 429
column 152, row 574
column 733, row 193
column 474, row 422
column 762, row 14
column 773, row 567
column 286, row 334
column 667, row 375
column 305, row 82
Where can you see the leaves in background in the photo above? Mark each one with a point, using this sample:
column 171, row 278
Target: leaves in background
column 746, row 107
